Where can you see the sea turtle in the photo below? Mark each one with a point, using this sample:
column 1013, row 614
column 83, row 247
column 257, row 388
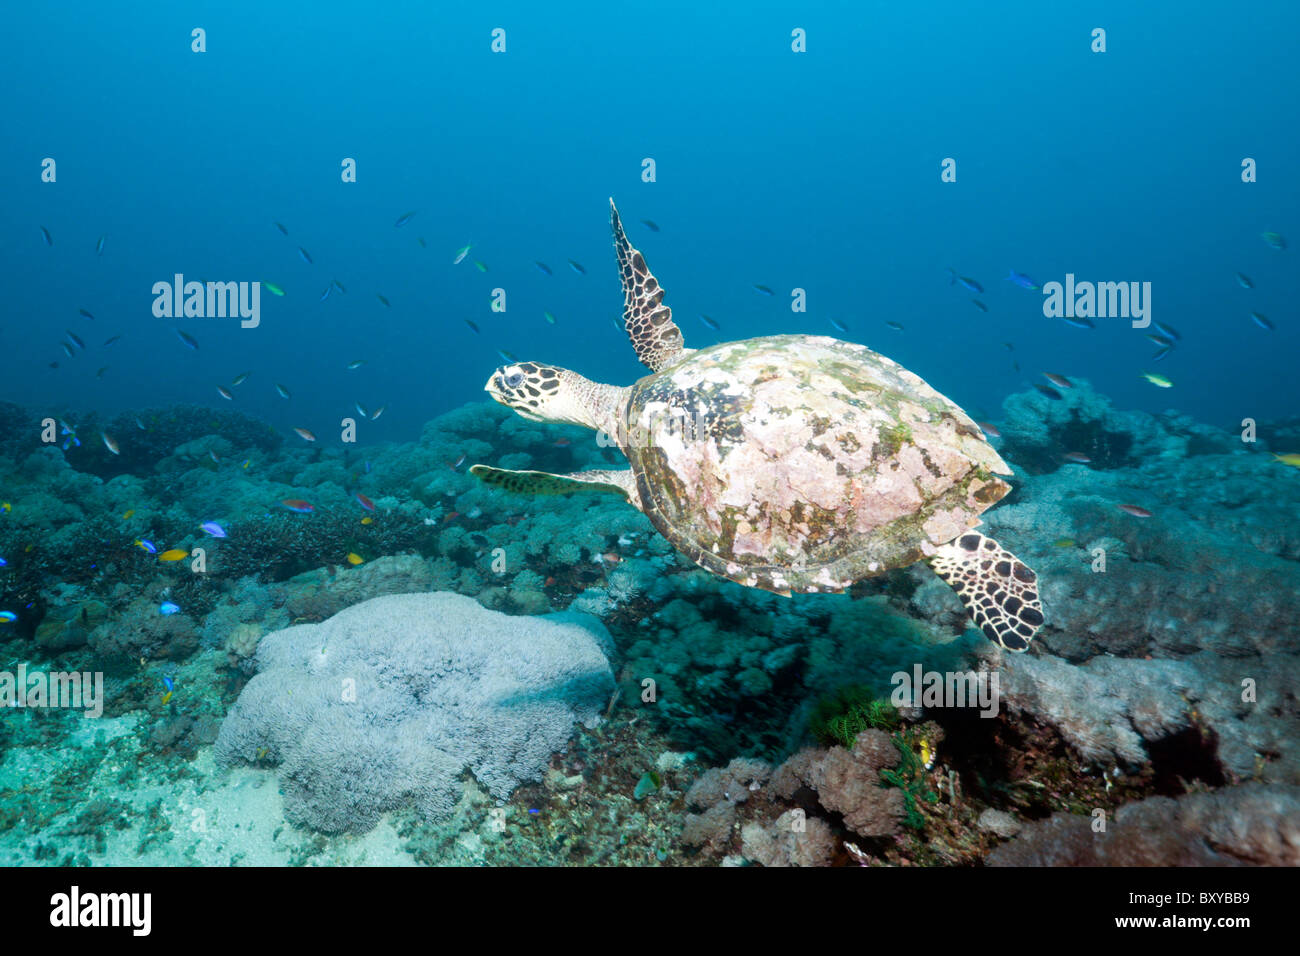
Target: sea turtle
column 785, row 462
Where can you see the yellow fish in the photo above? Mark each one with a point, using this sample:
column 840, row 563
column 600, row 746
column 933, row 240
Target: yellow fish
column 927, row 754
column 126, row 515
column 1064, row 543
column 1157, row 380
column 367, row 520
column 1290, row 458
column 6, row 507
column 354, row 558
column 166, row 697
column 174, row 554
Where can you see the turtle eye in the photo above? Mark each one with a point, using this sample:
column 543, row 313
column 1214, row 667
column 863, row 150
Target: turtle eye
column 515, row 380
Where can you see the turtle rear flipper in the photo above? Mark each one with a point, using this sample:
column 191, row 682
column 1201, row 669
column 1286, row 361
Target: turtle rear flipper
column 647, row 321
column 999, row 590
column 545, row 483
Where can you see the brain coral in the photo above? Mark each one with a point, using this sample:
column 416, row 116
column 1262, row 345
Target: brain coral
column 388, row 702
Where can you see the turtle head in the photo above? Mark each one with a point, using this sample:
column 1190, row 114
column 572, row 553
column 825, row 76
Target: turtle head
column 534, row 391
column 544, row 393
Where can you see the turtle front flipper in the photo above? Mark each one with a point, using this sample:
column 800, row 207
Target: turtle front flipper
column 999, row 590
column 647, row 321
column 545, row 483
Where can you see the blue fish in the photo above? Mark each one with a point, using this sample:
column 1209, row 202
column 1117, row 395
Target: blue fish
column 45, row 234
column 167, row 607
column 305, row 257
column 214, row 529
column 577, row 267
column 283, row 231
column 1078, row 322
column 169, row 683
column 763, row 290
column 3, row 563
column 543, row 268
column 1022, row 280
column 1162, row 353
column 838, row 326
column 1168, row 330
column 99, row 246
column 404, row 218
column 326, row 294
column 7, row 617
column 1262, row 321
column 711, row 323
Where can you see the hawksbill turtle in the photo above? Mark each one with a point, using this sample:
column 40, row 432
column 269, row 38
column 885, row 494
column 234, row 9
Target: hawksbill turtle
column 786, row 462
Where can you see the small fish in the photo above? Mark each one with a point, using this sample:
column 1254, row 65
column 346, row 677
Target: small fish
column 1168, row 330
column 1275, row 240
column 67, row 349
column 213, row 455
column 1022, row 280
column 173, row 554
column 357, row 363
column 305, row 256
column 128, row 514
column 297, row 505
column 283, row 392
column 455, row 466
column 6, row 507
column 896, row 326
column 99, row 245
column 213, row 529
column 1160, row 340
column 383, row 300
column 1244, row 281
column 338, row 285
column 361, row 409
column 7, row 617
column 111, row 339
column 240, row 379
column 451, row 516
column 166, row 698
column 543, row 268
column 76, row 340
column 650, row 224
column 710, row 322
column 480, row 266
column 305, row 434
column 763, row 290
column 146, row 545
column 283, row 231
column 167, row 607
column 562, row 442
column 99, row 372
column 1290, row 458
column 1059, row 380
column 363, row 501
column 404, row 218
column 367, row 520
column 1064, row 543
column 507, row 356
column 188, row 340
column 168, row 683
column 577, row 267
column 246, row 463
column 225, row 393
column 85, row 314
column 989, row 429
column 45, row 234
column 1008, row 346
column 1262, row 321
column 272, row 288
column 838, row 325
column 1049, row 391
column 420, row 241
column 1157, row 380
column 326, row 294
column 354, row 559
column 378, row 411
column 1161, row 354
column 472, row 326
column 109, row 443
column 1135, row 511
column 1077, row 457
column 461, row 253
column 979, row 305
column 970, row 285
column 548, row 317
column 1079, row 322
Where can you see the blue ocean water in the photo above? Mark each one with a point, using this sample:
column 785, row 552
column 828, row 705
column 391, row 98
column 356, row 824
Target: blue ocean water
column 817, row 171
